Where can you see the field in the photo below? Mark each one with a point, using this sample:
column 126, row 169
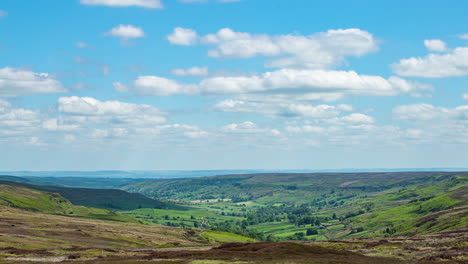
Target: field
column 112, row 199
column 316, row 206
column 408, row 218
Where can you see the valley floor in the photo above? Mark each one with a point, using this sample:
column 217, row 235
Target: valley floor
column 27, row 237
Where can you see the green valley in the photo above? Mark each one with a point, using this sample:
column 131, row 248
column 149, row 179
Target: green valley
column 186, row 220
column 315, row 207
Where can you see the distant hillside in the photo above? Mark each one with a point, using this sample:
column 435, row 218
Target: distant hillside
column 101, row 198
column 74, row 182
column 416, row 210
column 320, row 206
column 53, row 203
column 282, row 187
column 52, row 237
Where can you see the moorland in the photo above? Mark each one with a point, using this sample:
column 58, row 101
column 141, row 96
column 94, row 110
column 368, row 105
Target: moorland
column 388, row 217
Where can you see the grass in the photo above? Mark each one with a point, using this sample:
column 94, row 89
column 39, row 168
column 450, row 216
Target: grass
column 225, row 237
column 35, row 231
column 176, row 217
column 406, row 218
column 101, row 198
column 52, row 203
column 392, row 205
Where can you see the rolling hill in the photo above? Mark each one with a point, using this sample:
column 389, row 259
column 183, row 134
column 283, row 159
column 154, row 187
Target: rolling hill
column 321, row 206
column 41, row 226
column 294, row 188
column 101, row 198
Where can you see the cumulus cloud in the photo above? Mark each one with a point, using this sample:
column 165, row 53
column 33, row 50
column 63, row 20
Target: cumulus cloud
column 4, row 105
column 194, row 71
column 423, row 112
column 305, row 129
column 249, row 127
column 153, row 85
column 317, row 51
column 183, row 36
column 54, row 124
column 91, row 106
column 357, row 118
column 125, row 3
column 81, row 44
column 282, row 109
column 284, row 84
column 87, row 109
column 126, row 32
column 435, row 45
column 17, row 118
column 449, row 64
column 17, row 82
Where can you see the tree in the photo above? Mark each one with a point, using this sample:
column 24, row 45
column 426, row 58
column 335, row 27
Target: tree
column 311, row 232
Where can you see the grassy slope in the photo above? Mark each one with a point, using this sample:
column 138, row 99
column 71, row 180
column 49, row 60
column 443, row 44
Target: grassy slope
column 280, row 188
column 33, row 219
column 25, row 233
column 406, row 203
column 432, row 209
column 101, row 198
column 52, row 203
column 74, row 182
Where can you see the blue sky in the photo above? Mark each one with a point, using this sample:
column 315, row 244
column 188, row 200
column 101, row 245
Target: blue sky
column 219, row 84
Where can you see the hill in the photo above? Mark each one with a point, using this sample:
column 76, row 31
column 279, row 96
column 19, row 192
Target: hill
column 292, row 188
column 53, row 203
column 45, row 227
column 319, row 206
column 74, row 181
column 101, row 198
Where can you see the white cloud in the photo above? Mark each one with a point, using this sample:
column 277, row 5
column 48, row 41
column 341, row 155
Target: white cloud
column 17, row 82
column 422, row 112
column 464, row 36
column 80, row 44
column 418, row 112
column 194, row 71
column 465, row 96
column 126, row 32
column 85, row 111
column 283, row 85
column 435, row 45
column 282, row 109
column 125, row 3
column 3, row 13
column 153, row 85
column 357, row 118
column 317, row 51
column 305, row 129
column 91, row 106
column 453, row 63
column 53, row 124
column 17, row 118
column 249, row 127
column 183, row 37
column 4, row 105
column 35, row 141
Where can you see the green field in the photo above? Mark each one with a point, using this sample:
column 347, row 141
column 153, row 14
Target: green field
column 333, row 206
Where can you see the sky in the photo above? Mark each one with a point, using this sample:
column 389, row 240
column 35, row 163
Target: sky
column 233, row 84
